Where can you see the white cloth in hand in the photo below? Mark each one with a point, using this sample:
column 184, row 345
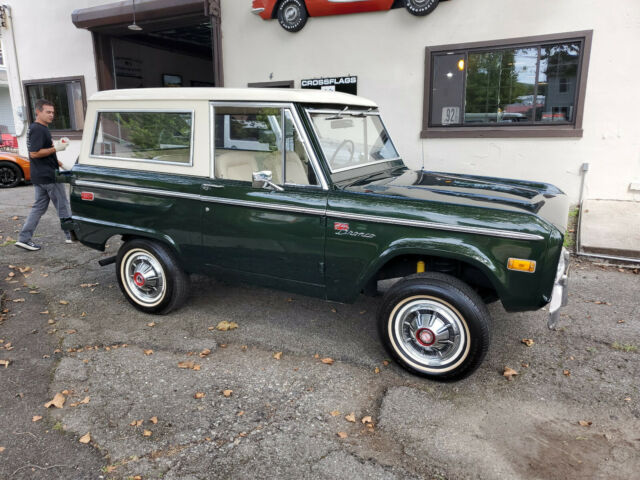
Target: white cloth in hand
column 61, row 144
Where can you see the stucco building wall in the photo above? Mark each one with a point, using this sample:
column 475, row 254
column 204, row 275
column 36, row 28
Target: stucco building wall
column 386, row 50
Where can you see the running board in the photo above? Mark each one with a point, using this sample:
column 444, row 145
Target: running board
column 107, row 261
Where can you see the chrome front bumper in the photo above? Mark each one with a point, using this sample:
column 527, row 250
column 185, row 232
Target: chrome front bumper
column 559, row 295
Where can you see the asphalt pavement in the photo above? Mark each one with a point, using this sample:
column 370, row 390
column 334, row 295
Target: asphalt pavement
column 302, row 388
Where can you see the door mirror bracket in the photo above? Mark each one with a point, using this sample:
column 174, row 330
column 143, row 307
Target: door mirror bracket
column 264, row 179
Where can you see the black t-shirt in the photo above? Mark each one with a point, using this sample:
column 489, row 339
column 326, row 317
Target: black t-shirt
column 43, row 170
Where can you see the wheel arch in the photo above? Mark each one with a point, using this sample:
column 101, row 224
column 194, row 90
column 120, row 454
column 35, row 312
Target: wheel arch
column 463, row 261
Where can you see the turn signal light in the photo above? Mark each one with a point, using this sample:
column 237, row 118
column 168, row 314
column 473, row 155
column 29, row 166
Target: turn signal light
column 521, row 265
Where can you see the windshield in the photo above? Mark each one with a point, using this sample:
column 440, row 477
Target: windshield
column 352, row 139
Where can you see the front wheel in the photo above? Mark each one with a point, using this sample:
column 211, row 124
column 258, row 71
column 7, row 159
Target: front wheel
column 435, row 325
column 292, row 15
column 150, row 276
column 421, row 7
column 10, row 175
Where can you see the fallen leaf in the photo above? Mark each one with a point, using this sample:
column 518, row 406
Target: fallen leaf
column 376, row 370
column 385, row 363
column 244, row 348
column 188, row 364
column 72, row 331
column 2, row 449
column 367, row 419
column 147, row 433
column 327, row 361
column 227, row 393
column 154, row 420
column 524, row 365
column 58, row 401
column 350, row 418
column 89, row 285
column 316, row 356
column 334, row 310
column 199, row 395
column 527, row 341
column 18, row 300
column 64, row 302
column 12, row 274
column 136, row 423
column 137, row 477
column 85, row 438
column 83, row 314
column 15, row 217
column 24, row 270
column 627, row 399
column 36, row 418
column 342, row 434
column 148, row 352
column 585, row 423
column 204, row 353
column 335, row 413
column 46, row 312
column 277, row 355
column 620, row 321
column 240, row 413
column 567, row 373
column 223, row 326
column 5, row 363
column 51, row 321
column 509, row 373
column 151, row 324
column 33, row 292
column 111, row 468
column 67, row 392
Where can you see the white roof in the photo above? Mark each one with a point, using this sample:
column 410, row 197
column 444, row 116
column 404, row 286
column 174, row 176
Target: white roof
column 235, row 94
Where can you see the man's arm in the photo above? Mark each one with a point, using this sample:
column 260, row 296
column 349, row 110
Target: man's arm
column 43, row 152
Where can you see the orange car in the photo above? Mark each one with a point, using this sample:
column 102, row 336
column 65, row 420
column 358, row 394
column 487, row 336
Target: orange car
column 13, row 169
column 293, row 14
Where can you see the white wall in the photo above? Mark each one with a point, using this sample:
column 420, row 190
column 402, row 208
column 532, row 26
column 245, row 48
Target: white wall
column 47, row 45
column 386, row 50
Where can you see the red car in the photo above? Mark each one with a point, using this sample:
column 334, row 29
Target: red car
column 293, row 14
column 13, row 169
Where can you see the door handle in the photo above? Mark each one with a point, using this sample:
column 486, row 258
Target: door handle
column 208, row 186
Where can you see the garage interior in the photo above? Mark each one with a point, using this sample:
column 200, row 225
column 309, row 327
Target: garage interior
column 155, row 43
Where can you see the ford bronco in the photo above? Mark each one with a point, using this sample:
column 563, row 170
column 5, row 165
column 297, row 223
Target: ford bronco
column 305, row 191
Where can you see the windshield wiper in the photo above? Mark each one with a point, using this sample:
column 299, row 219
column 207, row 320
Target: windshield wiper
column 338, row 116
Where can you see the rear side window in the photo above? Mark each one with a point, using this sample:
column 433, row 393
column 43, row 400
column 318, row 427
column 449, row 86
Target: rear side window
column 164, row 137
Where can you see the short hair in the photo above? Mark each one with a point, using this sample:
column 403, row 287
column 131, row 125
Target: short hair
column 42, row 102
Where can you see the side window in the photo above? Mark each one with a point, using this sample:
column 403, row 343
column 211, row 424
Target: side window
column 144, row 136
column 247, row 140
column 250, row 139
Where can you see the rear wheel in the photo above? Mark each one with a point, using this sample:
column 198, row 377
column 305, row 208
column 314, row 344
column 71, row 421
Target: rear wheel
column 435, row 325
column 292, row 15
column 10, row 175
column 421, row 7
column 150, row 276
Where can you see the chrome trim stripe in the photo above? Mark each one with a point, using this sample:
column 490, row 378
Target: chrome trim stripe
column 435, row 226
column 265, row 206
column 315, row 211
column 127, row 188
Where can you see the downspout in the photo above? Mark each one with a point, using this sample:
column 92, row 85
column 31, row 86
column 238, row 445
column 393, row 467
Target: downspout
column 19, row 113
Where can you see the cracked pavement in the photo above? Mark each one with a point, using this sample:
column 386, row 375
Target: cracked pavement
column 280, row 418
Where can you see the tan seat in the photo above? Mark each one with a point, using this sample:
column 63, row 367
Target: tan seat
column 236, row 165
column 296, row 172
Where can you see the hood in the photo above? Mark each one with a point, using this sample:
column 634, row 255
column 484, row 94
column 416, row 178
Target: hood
column 541, row 199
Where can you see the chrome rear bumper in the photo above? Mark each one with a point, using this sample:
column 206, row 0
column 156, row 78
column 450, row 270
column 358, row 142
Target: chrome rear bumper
column 559, row 295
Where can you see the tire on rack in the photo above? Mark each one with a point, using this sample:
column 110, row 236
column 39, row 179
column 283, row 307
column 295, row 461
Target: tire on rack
column 435, row 325
column 292, row 15
column 151, row 277
column 10, row 175
column 421, row 8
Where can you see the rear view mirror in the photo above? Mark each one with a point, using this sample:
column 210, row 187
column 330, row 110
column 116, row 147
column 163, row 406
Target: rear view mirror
column 341, row 123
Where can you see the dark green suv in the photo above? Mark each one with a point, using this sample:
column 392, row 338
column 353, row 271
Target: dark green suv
column 305, row 191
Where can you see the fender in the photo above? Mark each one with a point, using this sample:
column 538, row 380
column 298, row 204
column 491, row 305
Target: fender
column 96, row 233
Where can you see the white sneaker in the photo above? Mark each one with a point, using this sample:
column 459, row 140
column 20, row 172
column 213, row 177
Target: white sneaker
column 28, row 245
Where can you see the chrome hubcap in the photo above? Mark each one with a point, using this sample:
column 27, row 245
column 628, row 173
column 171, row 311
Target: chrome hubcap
column 144, row 277
column 430, row 333
column 291, row 13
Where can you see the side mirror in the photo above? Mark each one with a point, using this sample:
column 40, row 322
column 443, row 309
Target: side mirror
column 264, row 179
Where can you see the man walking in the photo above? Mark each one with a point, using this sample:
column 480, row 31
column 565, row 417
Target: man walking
column 44, row 162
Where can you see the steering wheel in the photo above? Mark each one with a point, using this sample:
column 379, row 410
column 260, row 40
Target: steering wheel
column 352, row 149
